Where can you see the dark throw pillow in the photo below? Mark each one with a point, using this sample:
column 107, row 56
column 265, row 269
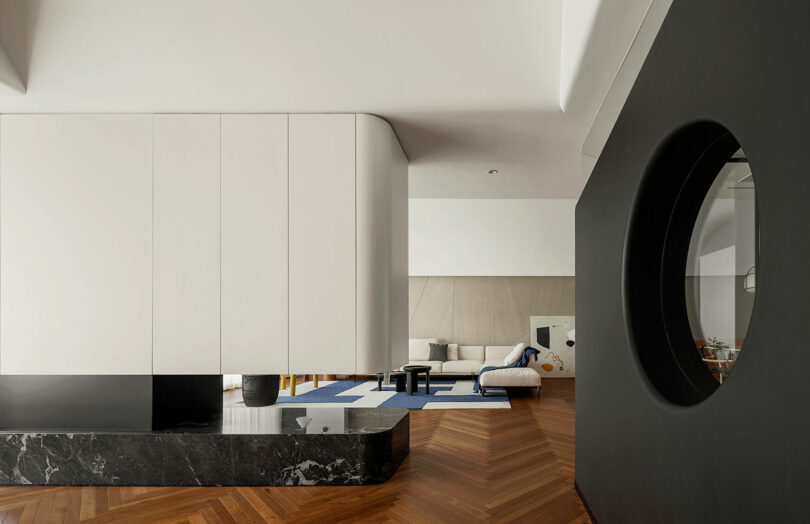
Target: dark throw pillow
column 438, row 352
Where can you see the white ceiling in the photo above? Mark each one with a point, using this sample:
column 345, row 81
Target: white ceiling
column 469, row 85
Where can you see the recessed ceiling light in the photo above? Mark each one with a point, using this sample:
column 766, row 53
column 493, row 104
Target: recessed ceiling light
column 493, row 171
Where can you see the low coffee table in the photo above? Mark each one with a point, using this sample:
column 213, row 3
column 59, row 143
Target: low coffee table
column 412, row 373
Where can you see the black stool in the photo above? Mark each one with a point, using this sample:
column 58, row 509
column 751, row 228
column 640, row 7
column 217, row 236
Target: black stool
column 399, row 379
column 413, row 378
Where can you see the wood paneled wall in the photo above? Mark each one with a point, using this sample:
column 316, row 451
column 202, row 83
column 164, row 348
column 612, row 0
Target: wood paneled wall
column 484, row 310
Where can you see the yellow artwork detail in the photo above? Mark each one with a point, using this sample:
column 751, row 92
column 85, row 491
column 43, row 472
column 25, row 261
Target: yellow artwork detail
column 554, row 357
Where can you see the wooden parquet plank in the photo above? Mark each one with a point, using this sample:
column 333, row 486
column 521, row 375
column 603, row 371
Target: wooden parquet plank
column 221, row 512
column 101, row 506
column 59, row 508
column 88, row 507
column 44, row 509
column 74, row 505
column 279, row 503
column 245, row 506
column 483, row 465
column 210, row 515
column 12, row 516
column 252, row 498
column 114, row 498
column 29, row 512
column 233, row 508
column 14, row 497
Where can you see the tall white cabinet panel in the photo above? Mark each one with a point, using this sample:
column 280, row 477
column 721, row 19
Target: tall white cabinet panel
column 382, row 248
column 186, row 244
column 322, row 244
column 398, row 299
column 254, row 244
column 75, row 244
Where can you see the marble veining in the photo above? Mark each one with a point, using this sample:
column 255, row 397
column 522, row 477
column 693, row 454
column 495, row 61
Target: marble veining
column 263, row 446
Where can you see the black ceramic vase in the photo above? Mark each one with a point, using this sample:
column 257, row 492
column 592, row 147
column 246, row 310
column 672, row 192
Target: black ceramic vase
column 259, row 390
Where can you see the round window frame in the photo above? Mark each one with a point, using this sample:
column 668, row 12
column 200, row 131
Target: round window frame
column 674, row 186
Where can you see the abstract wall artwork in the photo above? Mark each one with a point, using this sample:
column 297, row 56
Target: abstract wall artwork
column 555, row 338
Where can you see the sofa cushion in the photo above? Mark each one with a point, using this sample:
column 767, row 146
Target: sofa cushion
column 452, row 351
column 438, row 351
column 435, row 365
column 493, row 363
column 498, row 352
column 510, row 377
column 419, row 348
column 461, row 366
column 471, row 353
column 515, row 354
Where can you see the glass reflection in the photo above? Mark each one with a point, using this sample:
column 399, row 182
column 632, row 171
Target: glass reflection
column 721, row 267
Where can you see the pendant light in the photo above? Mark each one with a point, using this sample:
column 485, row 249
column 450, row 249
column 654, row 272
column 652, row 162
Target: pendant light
column 750, row 280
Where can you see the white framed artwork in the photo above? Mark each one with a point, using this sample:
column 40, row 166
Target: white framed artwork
column 555, row 338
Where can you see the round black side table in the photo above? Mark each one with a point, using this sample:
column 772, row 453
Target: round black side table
column 412, row 373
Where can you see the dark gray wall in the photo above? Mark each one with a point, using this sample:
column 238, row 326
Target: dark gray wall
column 742, row 454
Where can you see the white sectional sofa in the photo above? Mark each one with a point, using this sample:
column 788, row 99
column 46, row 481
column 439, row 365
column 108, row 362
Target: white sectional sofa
column 469, row 360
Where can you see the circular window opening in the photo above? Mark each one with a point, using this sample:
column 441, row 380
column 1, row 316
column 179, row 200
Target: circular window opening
column 721, row 267
column 690, row 262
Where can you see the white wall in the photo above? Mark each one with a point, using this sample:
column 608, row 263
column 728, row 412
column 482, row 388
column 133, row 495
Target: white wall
column 724, row 238
column 489, row 237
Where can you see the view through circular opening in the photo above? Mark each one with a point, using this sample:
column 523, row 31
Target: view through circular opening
column 690, row 262
column 721, row 267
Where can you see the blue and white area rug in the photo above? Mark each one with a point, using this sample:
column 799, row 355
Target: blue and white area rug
column 444, row 394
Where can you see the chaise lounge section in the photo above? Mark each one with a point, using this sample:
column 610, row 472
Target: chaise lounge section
column 527, row 377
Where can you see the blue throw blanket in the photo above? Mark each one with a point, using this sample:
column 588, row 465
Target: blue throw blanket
column 522, row 362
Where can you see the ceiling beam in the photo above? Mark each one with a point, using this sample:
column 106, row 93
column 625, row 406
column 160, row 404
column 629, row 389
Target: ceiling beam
column 10, row 81
column 622, row 82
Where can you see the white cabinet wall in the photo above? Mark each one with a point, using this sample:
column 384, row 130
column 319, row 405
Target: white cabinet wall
column 254, row 244
column 202, row 244
column 382, row 247
column 323, row 288
column 75, row 244
column 186, row 244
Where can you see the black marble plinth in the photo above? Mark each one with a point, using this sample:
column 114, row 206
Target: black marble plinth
column 248, row 447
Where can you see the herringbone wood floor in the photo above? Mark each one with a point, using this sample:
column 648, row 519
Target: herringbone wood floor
column 465, row 466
